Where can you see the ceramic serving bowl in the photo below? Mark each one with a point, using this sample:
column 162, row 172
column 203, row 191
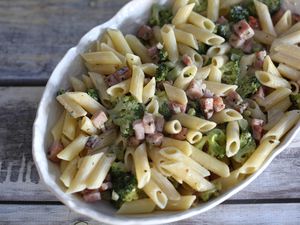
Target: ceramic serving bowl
column 127, row 19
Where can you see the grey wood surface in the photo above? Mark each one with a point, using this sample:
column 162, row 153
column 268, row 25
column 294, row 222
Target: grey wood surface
column 34, row 35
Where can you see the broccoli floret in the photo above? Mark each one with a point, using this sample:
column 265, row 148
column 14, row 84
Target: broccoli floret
column 195, row 106
column 163, row 55
column 163, row 102
column 202, row 48
column 247, row 147
column 160, row 15
column 119, row 151
column 60, row 92
column 206, row 195
column 192, row 112
column 125, row 112
column 248, row 85
column 238, row 13
column 93, row 93
column 123, row 183
column 231, row 72
column 223, row 30
column 200, row 6
column 295, row 99
column 162, row 72
column 235, row 54
column 216, row 143
column 273, row 6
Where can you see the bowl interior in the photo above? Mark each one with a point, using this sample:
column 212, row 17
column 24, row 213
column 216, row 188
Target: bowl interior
column 127, row 19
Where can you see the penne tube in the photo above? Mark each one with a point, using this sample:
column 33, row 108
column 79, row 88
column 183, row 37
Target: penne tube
column 289, row 72
column 193, row 122
column 102, row 69
column 141, row 164
column 155, row 194
column 136, row 83
column 149, row 69
column 149, row 90
column 264, row 17
column 275, row 97
column 284, row 23
column 269, row 67
column 119, row 89
column 119, row 41
column 219, row 60
column 106, row 57
column 193, row 136
column 270, row 80
column 77, row 84
column 71, row 106
column 184, row 203
column 69, row 172
column 201, row 22
column 175, row 94
column 169, row 41
column 57, row 129
column 215, row 74
column 232, row 138
column 213, row 7
column 172, row 127
column 186, row 38
column 263, row 37
column 140, row 206
column 226, row 115
column 183, row 146
column 101, row 87
column 219, row 88
column 87, row 126
column 138, row 48
column 287, row 59
column 185, row 77
column 183, row 14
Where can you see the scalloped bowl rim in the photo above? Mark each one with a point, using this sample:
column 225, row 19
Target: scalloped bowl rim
column 38, row 152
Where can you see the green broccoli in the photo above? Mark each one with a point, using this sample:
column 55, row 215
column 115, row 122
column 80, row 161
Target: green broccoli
column 60, row 92
column 238, row 13
column 93, row 93
column 125, row 112
column 216, row 143
column 118, row 150
column 202, row 48
column 231, row 72
column 295, row 99
column 247, row 147
column 235, row 54
column 201, row 6
column 160, row 15
column 163, row 55
column 192, row 111
column 123, row 183
column 273, row 6
column 206, row 195
column 162, row 72
column 163, row 102
column 248, row 85
column 223, row 30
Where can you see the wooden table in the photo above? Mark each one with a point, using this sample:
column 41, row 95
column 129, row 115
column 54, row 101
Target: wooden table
column 34, row 35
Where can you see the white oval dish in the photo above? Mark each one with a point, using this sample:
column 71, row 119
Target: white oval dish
column 127, row 19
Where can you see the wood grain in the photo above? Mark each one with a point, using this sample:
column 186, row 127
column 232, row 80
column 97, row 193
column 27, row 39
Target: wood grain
column 287, row 214
column 35, row 34
column 19, row 179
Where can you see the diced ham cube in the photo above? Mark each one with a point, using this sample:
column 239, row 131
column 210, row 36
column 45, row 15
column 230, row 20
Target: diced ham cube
column 177, row 107
column 105, row 186
column 133, row 142
column 92, row 142
column 233, row 98
column 243, row 30
column 145, row 33
column 155, row 139
column 99, row 118
column 241, row 107
column 257, row 128
column 120, row 75
column 91, row 195
column 235, row 41
column 181, row 135
column 248, row 46
column 54, row 149
column 207, row 93
column 149, row 123
column 139, row 129
column 260, row 93
column 187, row 60
column 253, row 22
column 261, row 55
column 153, row 52
column 295, row 18
column 218, row 104
column 207, row 106
column 221, row 20
column 195, row 89
column 159, row 123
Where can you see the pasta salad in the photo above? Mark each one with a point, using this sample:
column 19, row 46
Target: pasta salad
column 184, row 109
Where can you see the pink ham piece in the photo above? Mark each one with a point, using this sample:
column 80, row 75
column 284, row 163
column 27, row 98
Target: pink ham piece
column 260, row 94
column 105, row 186
column 276, row 17
column 253, row 22
column 257, row 128
column 187, row 60
column 243, row 30
column 233, row 98
column 92, row 142
column 177, row 107
column 153, row 52
column 99, row 118
column 155, row 139
column 195, row 89
column 118, row 76
column 235, row 41
column 248, row 46
column 207, row 106
column 145, row 33
column 91, row 195
column 221, row 20
column 259, row 60
column 181, row 135
column 133, row 142
column 53, row 150
column 218, row 104
column 159, row 123
column 139, row 129
column 149, row 123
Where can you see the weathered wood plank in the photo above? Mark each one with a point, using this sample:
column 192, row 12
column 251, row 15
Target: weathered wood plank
column 35, row 34
column 287, row 214
column 19, row 179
